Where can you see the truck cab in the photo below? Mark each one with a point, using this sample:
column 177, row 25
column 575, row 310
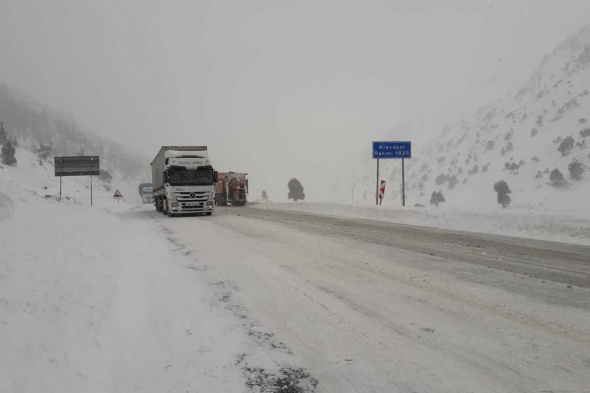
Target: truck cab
column 183, row 180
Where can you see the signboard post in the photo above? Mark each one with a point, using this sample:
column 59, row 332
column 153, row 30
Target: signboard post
column 389, row 150
column 77, row 166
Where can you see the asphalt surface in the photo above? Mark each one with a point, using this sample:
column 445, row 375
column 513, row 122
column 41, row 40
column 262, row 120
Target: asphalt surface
column 552, row 261
column 370, row 306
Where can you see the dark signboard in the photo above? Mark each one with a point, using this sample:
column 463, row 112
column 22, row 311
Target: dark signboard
column 77, row 166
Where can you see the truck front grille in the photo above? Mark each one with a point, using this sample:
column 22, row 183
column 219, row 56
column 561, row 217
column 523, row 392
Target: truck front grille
column 199, row 196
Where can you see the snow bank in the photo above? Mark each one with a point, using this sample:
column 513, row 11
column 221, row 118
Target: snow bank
column 96, row 299
column 568, row 225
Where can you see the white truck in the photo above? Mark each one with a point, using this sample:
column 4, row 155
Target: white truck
column 183, row 181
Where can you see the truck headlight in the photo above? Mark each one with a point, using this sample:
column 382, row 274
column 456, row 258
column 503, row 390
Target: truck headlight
column 174, row 205
column 209, row 204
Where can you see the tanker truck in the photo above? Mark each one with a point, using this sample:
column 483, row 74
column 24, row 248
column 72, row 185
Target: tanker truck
column 232, row 188
column 183, row 181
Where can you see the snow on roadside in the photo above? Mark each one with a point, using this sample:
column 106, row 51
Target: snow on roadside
column 568, row 225
column 93, row 300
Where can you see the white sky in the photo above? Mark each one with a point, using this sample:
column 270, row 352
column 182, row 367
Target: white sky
column 274, row 88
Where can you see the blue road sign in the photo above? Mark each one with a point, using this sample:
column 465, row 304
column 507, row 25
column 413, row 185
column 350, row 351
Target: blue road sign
column 392, row 150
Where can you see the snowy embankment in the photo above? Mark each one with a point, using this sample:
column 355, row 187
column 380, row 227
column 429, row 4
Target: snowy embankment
column 92, row 300
column 568, row 225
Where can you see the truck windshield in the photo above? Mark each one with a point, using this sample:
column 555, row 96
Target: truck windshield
column 202, row 176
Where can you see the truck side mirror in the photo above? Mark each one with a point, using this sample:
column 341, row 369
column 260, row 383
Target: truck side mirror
column 165, row 177
column 215, row 176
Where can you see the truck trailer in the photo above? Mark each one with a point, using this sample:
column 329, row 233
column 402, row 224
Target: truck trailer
column 183, row 181
column 232, row 188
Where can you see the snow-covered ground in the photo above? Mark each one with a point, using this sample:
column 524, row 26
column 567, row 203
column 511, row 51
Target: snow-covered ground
column 97, row 299
column 119, row 298
column 568, row 225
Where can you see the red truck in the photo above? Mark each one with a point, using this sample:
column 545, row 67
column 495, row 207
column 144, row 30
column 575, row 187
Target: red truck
column 232, row 188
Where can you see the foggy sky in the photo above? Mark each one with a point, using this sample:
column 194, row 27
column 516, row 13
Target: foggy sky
column 278, row 89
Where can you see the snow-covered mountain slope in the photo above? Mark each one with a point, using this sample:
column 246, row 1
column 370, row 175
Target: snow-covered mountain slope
column 34, row 124
column 521, row 139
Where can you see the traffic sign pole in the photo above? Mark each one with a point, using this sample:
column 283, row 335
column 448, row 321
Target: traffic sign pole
column 60, row 172
column 377, row 184
column 403, row 185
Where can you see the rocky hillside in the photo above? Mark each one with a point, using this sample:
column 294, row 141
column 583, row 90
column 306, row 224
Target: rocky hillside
column 535, row 140
column 33, row 124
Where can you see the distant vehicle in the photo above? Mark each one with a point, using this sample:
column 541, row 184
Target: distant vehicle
column 183, row 180
column 145, row 192
column 232, row 188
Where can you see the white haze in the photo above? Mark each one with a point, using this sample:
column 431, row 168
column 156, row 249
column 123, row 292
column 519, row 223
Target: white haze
column 278, row 89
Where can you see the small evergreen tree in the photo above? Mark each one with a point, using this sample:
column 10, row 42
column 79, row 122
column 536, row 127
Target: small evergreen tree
column 556, row 178
column 436, row 198
column 453, row 181
column 576, row 169
column 503, row 190
column 3, row 135
column 566, row 146
column 43, row 152
column 105, row 176
column 295, row 190
column 8, row 154
column 264, row 195
column 440, row 179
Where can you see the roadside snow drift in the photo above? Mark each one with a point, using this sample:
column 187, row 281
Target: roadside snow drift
column 567, row 225
column 92, row 301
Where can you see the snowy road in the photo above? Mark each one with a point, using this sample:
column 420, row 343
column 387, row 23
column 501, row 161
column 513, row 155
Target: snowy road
column 560, row 262
column 377, row 307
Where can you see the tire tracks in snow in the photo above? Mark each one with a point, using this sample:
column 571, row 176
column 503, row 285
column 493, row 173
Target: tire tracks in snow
column 282, row 376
